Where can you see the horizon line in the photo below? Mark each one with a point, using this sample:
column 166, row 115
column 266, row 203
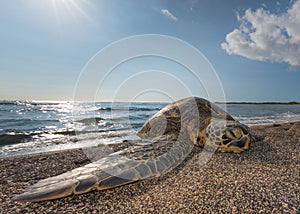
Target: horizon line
column 293, row 102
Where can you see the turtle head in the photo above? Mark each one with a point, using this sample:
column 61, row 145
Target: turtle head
column 229, row 136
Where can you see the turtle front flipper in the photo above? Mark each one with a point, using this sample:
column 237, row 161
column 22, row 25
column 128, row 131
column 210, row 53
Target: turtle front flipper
column 119, row 168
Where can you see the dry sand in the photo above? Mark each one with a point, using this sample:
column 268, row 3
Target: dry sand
column 264, row 179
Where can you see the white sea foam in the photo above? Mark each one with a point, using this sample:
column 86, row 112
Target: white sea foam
column 272, row 119
column 50, row 126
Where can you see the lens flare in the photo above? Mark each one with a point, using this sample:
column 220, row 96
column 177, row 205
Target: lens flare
column 70, row 8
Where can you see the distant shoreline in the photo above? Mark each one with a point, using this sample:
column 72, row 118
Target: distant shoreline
column 34, row 102
column 261, row 103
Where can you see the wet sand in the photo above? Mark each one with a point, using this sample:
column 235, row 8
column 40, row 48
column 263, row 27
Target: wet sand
column 264, row 179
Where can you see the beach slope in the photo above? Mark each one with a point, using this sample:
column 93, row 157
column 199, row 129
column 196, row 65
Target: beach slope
column 265, row 178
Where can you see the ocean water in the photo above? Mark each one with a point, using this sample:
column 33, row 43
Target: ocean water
column 31, row 126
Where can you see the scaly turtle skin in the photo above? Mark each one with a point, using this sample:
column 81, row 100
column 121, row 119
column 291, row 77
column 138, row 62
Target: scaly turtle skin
column 166, row 140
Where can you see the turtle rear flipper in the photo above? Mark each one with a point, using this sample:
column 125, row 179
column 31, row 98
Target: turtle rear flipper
column 119, row 168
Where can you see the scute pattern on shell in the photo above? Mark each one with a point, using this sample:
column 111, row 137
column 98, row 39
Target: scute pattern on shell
column 180, row 114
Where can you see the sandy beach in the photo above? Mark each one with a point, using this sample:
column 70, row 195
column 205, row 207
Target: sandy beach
column 264, row 179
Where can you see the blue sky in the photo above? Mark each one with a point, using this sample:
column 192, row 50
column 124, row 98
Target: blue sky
column 254, row 46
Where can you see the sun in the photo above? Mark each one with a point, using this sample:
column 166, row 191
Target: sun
column 73, row 8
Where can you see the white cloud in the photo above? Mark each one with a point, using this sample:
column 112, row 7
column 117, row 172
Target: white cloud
column 266, row 36
column 167, row 13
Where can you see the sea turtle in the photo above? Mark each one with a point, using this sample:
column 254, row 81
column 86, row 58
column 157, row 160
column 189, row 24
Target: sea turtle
column 166, row 140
